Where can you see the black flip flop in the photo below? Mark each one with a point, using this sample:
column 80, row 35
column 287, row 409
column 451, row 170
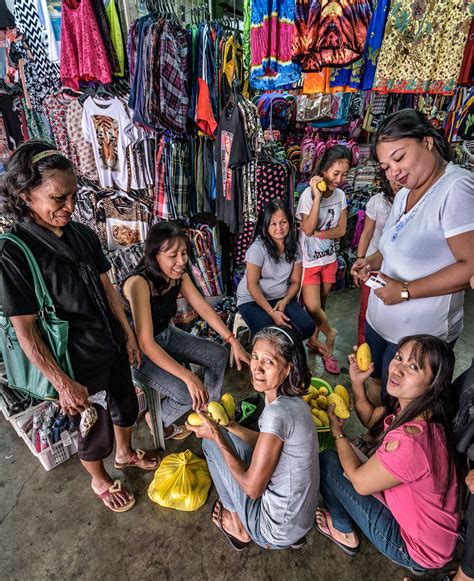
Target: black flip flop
column 351, row 551
column 237, row 544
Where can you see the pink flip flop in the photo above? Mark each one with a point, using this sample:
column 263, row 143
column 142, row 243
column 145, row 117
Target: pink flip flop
column 331, row 365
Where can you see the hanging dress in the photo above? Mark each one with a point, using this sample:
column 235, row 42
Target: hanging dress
column 271, row 34
column 328, row 33
column 41, row 75
column 423, row 46
column 83, row 55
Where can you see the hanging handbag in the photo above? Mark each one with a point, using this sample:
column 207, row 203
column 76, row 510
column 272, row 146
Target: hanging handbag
column 21, row 373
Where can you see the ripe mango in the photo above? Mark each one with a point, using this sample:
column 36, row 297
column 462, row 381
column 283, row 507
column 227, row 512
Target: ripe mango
column 363, row 357
column 322, row 187
column 194, row 419
column 322, row 402
column 341, row 410
column 322, row 415
column 313, row 404
column 308, row 397
column 323, row 391
column 342, row 391
column 218, row 413
column 228, row 404
column 317, row 421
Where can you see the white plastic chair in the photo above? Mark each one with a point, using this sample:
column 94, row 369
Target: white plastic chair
column 239, row 323
column 153, row 399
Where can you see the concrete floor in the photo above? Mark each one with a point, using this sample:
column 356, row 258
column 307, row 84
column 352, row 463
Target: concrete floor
column 52, row 527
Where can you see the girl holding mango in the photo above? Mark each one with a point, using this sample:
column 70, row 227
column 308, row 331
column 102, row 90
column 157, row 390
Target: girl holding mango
column 404, row 497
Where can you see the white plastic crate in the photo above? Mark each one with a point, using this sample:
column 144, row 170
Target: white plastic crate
column 13, row 417
column 55, row 454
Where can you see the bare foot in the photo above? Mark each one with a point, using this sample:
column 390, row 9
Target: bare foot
column 324, row 521
column 331, row 340
column 319, row 347
column 230, row 522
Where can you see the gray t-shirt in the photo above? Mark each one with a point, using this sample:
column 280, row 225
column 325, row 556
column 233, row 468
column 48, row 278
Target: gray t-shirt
column 274, row 276
column 289, row 501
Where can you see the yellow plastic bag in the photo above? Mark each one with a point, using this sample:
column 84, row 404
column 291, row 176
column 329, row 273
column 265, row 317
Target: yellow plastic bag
column 182, row 481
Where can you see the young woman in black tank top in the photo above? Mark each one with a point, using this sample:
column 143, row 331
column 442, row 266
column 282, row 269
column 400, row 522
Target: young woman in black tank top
column 151, row 292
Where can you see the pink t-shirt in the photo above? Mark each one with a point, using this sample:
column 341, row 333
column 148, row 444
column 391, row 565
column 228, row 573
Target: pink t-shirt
column 428, row 527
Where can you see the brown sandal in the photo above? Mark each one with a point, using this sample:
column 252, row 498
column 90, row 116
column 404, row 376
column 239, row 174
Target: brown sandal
column 107, row 496
column 136, row 461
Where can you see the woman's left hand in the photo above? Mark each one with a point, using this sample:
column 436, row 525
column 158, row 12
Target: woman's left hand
column 391, row 293
column 281, row 305
column 133, row 350
column 239, row 353
column 336, row 424
column 208, row 430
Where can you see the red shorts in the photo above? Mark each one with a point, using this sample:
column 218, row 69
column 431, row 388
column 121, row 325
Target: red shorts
column 319, row 274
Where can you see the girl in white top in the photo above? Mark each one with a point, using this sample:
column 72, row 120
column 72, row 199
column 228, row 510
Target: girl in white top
column 376, row 214
column 425, row 252
column 323, row 218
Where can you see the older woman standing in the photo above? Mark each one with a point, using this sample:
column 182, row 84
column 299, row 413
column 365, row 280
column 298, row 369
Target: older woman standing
column 425, row 252
column 39, row 193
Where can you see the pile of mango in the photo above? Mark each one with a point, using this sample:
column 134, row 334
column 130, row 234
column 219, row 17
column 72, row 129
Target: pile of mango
column 220, row 412
column 319, row 399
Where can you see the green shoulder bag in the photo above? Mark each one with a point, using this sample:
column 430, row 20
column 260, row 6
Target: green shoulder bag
column 21, row 373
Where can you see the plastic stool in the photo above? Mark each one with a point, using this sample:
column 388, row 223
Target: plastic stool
column 239, row 323
column 153, row 399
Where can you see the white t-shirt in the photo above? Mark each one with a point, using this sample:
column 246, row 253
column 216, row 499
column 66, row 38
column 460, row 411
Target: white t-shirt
column 317, row 251
column 377, row 209
column 108, row 127
column 414, row 245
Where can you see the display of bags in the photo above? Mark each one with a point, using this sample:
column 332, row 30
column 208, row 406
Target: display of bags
column 21, row 373
column 182, row 481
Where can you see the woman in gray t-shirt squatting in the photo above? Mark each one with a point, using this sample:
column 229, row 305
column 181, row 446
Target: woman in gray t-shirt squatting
column 267, row 481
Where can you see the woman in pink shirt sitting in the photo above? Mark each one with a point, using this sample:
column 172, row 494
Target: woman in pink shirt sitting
column 404, row 498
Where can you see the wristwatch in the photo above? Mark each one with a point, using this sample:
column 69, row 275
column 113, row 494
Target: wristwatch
column 405, row 294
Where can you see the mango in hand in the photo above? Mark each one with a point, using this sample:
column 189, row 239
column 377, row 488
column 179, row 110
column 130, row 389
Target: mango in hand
column 218, row 413
column 363, row 357
column 228, row 404
column 341, row 410
column 194, row 419
column 342, row 391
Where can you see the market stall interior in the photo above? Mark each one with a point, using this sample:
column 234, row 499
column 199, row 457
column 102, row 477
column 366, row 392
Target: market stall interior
column 175, row 169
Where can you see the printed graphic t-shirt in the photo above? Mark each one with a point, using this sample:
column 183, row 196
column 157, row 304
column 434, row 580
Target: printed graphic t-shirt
column 107, row 126
column 231, row 153
column 317, row 251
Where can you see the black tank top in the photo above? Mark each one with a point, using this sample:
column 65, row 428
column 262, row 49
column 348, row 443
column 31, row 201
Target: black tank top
column 163, row 307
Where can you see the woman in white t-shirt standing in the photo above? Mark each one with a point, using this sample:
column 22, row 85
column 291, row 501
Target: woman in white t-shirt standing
column 376, row 214
column 425, row 252
column 323, row 215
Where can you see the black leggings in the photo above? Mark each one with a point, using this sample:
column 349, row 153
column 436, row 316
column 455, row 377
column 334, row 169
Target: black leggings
column 122, row 408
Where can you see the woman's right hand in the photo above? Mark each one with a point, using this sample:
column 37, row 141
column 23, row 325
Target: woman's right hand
column 361, row 270
column 313, row 184
column 356, row 375
column 73, row 398
column 197, row 391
